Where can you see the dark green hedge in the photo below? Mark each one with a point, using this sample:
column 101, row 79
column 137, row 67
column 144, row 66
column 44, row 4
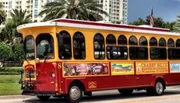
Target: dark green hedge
column 11, row 70
column 10, row 73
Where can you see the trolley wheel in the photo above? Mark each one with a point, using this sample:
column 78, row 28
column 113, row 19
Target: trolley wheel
column 125, row 92
column 159, row 87
column 74, row 93
column 43, row 97
column 88, row 93
column 149, row 90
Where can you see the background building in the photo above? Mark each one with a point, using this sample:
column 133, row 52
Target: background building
column 117, row 10
column 33, row 7
column 7, row 6
column 37, row 8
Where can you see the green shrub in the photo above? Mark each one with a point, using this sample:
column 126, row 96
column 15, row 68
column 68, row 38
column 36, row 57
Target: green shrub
column 18, row 52
column 11, row 70
column 5, row 52
column 12, row 63
column 10, row 73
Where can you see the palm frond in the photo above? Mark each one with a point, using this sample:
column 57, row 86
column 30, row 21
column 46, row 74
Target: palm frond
column 73, row 9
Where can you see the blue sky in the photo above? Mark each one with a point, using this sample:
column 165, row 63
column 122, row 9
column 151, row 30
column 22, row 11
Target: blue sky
column 167, row 9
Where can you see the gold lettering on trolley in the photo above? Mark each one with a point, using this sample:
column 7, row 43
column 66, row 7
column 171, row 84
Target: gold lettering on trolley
column 29, row 66
column 154, row 65
column 54, row 64
column 151, row 68
column 92, row 85
column 59, row 66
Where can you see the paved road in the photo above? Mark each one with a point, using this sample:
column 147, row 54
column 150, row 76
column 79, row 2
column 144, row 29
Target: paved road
column 172, row 95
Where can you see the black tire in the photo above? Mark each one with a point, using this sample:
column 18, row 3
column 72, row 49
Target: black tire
column 158, row 88
column 77, row 93
column 149, row 90
column 125, row 92
column 88, row 93
column 43, row 98
column 60, row 96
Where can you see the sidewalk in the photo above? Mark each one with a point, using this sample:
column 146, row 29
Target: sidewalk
column 14, row 97
column 176, row 86
column 26, row 96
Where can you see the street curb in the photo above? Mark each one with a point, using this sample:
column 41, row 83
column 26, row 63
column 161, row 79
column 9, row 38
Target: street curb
column 177, row 86
column 13, row 96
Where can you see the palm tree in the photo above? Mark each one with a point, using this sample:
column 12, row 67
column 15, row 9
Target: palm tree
column 73, row 9
column 2, row 14
column 176, row 26
column 140, row 21
column 9, row 31
column 18, row 17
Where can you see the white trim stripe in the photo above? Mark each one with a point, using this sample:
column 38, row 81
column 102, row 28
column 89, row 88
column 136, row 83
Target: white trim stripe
column 116, row 29
column 97, row 22
column 85, row 25
column 36, row 25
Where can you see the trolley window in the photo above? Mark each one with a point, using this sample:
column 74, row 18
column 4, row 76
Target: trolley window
column 44, row 46
column 64, row 44
column 110, row 39
column 29, row 47
column 122, row 40
column 79, row 46
column 99, row 50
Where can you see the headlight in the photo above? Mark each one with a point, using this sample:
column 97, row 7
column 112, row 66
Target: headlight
column 53, row 75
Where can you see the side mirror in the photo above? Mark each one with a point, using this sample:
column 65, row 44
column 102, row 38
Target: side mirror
column 45, row 58
column 37, row 60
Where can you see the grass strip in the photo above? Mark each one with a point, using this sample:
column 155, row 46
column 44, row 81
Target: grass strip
column 9, row 78
column 10, row 89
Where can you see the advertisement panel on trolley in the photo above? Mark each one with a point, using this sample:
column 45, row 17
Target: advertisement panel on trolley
column 151, row 67
column 122, row 69
column 85, row 69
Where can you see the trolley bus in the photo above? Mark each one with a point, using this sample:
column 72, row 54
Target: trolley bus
column 73, row 58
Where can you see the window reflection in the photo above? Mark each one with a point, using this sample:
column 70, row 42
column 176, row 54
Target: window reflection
column 44, row 46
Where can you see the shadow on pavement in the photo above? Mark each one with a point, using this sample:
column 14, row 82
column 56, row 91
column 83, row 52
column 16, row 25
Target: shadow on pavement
column 51, row 100
column 103, row 97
